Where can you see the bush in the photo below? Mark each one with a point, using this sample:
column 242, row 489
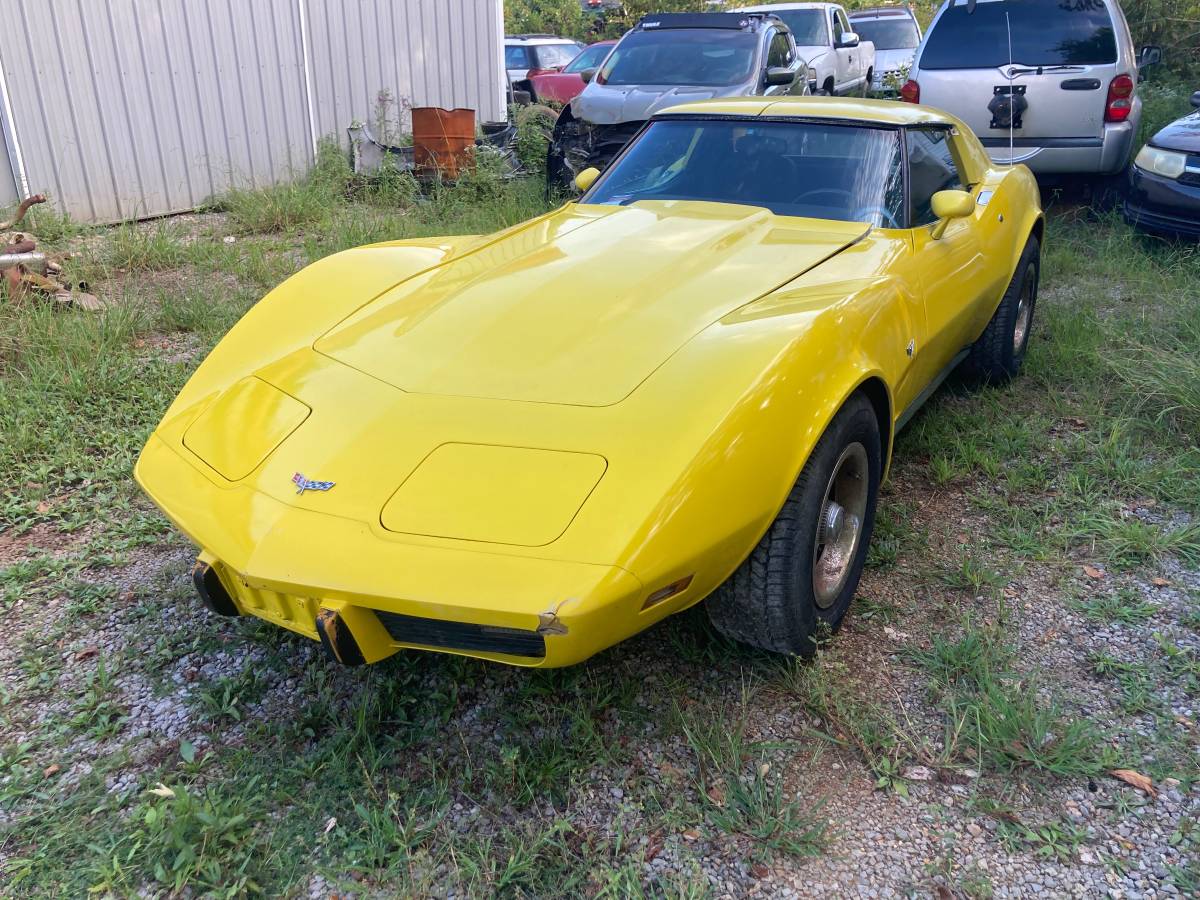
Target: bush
column 535, row 126
column 561, row 17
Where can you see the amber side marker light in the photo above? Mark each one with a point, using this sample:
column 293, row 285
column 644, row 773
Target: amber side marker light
column 675, row 587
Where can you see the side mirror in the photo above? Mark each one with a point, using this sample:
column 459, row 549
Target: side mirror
column 1151, row 55
column 949, row 205
column 777, row 75
column 586, row 178
column 1196, row 99
column 587, row 75
column 848, row 39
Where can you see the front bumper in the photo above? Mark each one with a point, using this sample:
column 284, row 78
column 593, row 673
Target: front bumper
column 577, row 145
column 1162, row 205
column 303, row 570
column 887, row 83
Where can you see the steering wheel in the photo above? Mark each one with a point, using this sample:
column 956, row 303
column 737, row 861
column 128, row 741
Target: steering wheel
column 884, row 216
column 836, row 193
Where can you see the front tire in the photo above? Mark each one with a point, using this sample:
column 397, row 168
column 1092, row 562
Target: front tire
column 997, row 355
column 800, row 578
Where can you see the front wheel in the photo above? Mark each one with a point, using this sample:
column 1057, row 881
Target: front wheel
column 999, row 352
column 800, row 578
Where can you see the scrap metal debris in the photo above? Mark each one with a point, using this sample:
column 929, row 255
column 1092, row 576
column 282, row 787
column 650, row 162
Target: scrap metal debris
column 24, row 269
column 371, row 156
column 578, row 144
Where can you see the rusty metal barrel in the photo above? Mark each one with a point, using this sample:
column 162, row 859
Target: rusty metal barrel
column 442, row 140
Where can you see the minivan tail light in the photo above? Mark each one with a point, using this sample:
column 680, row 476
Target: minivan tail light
column 1120, row 99
column 910, row 92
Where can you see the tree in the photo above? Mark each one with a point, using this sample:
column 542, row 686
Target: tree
column 559, row 17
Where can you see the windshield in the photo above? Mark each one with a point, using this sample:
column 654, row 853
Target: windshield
column 554, row 56
column 589, row 58
column 1071, row 32
column 825, row 171
column 887, row 34
column 808, row 26
column 703, row 57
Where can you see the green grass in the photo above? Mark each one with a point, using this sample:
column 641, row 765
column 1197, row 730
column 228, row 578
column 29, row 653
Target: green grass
column 437, row 772
column 740, row 794
column 972, row 660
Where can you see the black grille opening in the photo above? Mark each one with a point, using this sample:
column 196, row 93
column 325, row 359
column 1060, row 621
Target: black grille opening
column 463, row 635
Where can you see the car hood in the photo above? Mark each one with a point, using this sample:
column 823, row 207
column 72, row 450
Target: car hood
column 1182, row 134
column 810, row 54
column 887, row 60
column 581, row 306
column 604, row 104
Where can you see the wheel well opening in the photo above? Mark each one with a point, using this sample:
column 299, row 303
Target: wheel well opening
column 828, row 84
column 1039, row 229
column 876, row 391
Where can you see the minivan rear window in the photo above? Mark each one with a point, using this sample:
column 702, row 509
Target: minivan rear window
column 1044, row 33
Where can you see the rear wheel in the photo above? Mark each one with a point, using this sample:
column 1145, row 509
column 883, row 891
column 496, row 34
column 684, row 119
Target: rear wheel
column 800, row 578
column 999, row 352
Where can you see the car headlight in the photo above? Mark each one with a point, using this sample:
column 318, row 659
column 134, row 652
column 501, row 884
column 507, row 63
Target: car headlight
column 1167, row 163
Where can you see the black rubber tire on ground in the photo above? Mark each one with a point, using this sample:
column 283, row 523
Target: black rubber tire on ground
column 826, row 89
column 770, row 601
column 866, row 88
column 997, row 355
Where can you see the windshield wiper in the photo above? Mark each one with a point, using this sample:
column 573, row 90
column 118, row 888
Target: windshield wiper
column 1039, row 70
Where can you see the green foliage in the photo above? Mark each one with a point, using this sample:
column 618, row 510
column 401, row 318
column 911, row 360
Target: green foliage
column 740, row 794
column 558, row 17
column 1172, row 24
column 1012, row 728
column 973, row 659
column 182, row 840
column 535, row 125
column 136, row 248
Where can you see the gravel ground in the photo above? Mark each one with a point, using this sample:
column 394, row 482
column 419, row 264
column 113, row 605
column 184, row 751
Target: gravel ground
column 950, row 834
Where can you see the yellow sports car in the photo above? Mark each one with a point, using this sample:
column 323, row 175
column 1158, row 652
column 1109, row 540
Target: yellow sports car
column 530, row 445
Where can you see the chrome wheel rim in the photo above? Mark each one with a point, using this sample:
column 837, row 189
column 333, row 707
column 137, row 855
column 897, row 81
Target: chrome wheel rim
column 1024, row 312
column 840, row 524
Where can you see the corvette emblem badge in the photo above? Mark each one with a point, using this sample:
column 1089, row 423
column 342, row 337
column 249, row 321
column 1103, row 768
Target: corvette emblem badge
column 303, row 484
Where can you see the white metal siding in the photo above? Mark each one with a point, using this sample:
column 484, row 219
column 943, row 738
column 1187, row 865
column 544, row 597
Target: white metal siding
column 134, row 108
column 443, row 53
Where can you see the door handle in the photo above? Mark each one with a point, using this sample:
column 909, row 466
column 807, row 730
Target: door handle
column 1081, row 84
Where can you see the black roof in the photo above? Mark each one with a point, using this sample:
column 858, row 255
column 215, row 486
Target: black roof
column 729, row 21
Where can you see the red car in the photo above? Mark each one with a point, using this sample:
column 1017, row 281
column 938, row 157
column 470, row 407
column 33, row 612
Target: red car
column 563, row 85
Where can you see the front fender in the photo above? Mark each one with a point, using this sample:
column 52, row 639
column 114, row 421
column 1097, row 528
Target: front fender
column 293, row 314
column 760, row 388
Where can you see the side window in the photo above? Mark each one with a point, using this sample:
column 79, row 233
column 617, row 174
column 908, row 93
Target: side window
column 931, row 168
column 834, row 28
column 779, row 53
column 840, row 26
column 515, row 58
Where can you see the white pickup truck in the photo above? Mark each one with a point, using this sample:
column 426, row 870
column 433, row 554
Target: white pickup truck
column 838, row 62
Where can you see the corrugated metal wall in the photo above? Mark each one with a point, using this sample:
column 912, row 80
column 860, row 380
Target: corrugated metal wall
column 133, row 108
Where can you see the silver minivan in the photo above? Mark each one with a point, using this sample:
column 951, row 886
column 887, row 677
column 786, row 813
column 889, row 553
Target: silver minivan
column 1047, row 83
